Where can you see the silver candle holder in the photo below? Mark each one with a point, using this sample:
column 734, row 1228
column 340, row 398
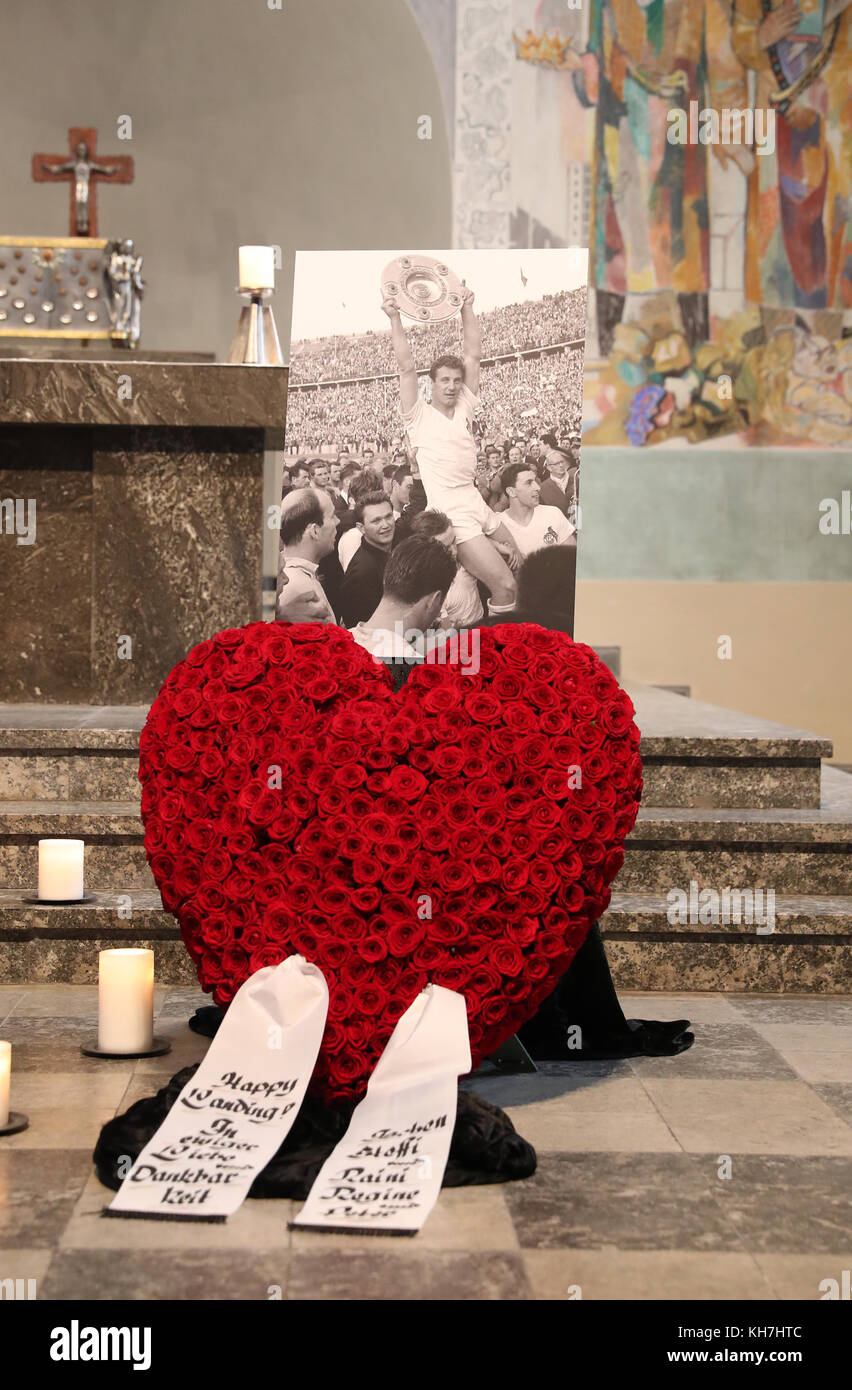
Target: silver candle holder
column 256, row 339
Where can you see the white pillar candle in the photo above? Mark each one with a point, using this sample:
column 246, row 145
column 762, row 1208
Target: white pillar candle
column 257, row 267
column 5, row 1079
column 126, row 1001
column 60, row 869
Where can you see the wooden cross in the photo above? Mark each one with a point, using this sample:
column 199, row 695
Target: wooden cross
column 83, row 169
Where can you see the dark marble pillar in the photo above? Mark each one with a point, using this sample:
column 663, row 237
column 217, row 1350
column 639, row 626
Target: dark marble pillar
column 149, row 519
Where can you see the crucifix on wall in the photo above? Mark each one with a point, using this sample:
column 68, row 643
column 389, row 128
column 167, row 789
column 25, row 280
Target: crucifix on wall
column 83, row 170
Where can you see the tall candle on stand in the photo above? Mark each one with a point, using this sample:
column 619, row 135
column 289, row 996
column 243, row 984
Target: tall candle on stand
column 126, row 1001
column 60, row 870
column 257, row 267
column 5, row 1080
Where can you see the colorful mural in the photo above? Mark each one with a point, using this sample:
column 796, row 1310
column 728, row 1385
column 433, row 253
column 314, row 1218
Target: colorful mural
column 718, row 139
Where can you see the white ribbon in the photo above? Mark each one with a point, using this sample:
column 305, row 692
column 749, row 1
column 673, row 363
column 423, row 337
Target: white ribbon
column 238, row 1108
column 386, row 1172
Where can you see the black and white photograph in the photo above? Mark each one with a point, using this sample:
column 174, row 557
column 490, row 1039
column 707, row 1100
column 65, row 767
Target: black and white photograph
column 434, row 394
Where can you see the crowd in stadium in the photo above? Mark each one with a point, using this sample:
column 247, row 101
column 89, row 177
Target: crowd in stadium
column 536, row 323
column 520, row 397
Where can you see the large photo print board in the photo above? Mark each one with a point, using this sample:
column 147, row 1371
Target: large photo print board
column 433, row 394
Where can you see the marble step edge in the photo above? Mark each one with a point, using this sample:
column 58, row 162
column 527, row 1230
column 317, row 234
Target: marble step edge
column 690, row 750
column 680, row 749
column 669, row 723
column 827, row 917
column 678, row 724
column 37, row 742
column 656, row 827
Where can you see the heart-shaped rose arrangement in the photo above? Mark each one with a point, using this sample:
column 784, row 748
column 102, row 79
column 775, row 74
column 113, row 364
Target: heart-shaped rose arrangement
column 463, row 831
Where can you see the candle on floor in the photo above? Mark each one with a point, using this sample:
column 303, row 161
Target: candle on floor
column 126, row 1001
column 60, row 870
column 257, row 267
column 5, row 1081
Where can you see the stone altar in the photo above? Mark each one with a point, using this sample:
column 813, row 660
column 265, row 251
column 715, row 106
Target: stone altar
column 145, row 479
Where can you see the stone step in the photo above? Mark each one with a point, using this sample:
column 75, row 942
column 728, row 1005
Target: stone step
column 791, row 851
column 807, row 952
column 694, row 754
column 700, row 755
column 40, row 945
column 113, row 832
column 70, row 752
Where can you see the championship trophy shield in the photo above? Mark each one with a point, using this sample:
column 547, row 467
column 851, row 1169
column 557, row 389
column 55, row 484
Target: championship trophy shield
column 422, row 288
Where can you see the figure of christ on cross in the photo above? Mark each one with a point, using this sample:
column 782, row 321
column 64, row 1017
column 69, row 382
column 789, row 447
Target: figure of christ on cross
column 441, row 434
column 82, row 169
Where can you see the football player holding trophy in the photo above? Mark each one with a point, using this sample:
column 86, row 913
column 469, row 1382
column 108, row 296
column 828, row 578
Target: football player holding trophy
column 441, row 431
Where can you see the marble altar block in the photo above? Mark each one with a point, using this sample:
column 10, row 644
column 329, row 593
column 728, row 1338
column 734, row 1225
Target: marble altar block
column 147, row 480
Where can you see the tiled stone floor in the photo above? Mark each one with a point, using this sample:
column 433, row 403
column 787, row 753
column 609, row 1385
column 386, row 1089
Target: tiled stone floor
column 627, row 1203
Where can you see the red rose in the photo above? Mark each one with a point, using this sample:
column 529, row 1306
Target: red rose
column 372, row 948
column 493, row 1011
column 544, row 815
column 522, row 933
column 211, row 763
column 428, row 955
column 484, row 867
column 617, row 717
column 507, row 686
column 545, row 699
column 278, row 920
column 442, row 698
column 507, row 958
column 483, row 707
column 515, row 875
column 520, row 719
column 394, row 853
column 365, row 898
column 210, row 898
column 215, row 929
column 186, row 702
column 454, row 876
column 370, row 999
column 538, row 966
column 576, row 823
column 170, row 807
column 449, row 760
column 399, row 878
column 346, row 1068
column 452, row 974
column 448, row 929
column 366, row 869
column 404, row 937
column 484, row 980
column 570, row 867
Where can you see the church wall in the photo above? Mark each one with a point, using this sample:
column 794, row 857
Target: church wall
column 294, row 126
column 789, row 645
